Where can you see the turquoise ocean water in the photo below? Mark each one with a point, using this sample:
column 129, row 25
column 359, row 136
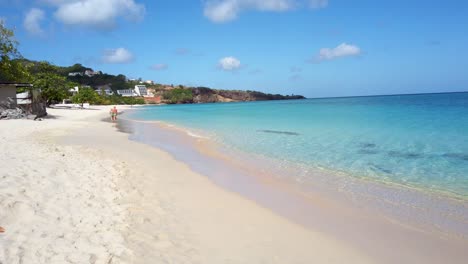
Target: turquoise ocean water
column 415, row 140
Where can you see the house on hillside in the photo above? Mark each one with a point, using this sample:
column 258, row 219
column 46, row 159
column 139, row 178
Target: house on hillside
column 23, row 96
column 73, row 74
column 91, row 73
column 127, row 93
column 141, row 90
column 104, row 89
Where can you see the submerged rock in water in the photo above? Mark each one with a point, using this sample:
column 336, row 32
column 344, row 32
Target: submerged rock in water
column 279, row 132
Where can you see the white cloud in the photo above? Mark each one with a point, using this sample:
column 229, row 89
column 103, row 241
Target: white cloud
column 32, row 21
column 227, row 10
column 117, row 56
column 342, row 50
column 3, row 20
column 229, row 64
column 101, row 14
column 316, row 4
column 220, row 11
column 160, row 67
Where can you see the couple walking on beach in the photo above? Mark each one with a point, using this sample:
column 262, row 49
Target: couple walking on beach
column 113, row 112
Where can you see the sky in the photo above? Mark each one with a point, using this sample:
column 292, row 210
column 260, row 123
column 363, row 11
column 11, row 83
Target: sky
column 316, row 48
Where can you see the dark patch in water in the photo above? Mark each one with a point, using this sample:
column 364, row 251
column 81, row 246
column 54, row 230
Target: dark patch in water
column 367, row 151
column 405, row 155
column 462, row 156
column 367, row 145
column 279, row 132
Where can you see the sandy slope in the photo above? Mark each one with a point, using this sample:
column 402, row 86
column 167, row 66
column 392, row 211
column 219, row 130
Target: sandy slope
column 73, row 190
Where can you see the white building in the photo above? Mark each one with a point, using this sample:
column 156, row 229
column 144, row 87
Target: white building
column 74, row 90
column 107, row 91
column 127, row 93
column 75, row 74
column 104, row 90
column 141, row 90
column 91, row 73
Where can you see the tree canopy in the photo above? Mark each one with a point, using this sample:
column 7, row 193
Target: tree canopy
column 11, row 69
column 86, row 95
column 54, row 88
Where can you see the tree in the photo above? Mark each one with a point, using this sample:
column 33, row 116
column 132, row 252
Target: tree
column 11, row 68
column 54, row 88
column 87, row 95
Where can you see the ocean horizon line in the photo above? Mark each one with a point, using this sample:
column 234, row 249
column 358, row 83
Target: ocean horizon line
column 383, row 95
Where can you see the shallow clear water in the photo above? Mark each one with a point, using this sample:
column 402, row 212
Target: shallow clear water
column 415, row 140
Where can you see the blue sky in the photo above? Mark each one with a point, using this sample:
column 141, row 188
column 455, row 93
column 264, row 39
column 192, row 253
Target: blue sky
column 317, row 48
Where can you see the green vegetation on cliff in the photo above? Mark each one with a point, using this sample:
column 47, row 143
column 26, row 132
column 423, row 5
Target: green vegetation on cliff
column 178, row 96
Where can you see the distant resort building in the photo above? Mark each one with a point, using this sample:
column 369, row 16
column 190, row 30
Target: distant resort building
column 75, row 74
column 104, row 90
column 127, row 93
column 139, row 90
column 89, row 73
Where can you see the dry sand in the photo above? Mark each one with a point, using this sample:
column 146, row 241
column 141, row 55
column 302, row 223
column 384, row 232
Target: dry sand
column 73, row 190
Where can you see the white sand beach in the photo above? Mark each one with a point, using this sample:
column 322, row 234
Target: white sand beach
column 74, row 190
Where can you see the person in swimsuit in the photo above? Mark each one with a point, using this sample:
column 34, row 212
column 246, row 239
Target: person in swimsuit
column 113, row 113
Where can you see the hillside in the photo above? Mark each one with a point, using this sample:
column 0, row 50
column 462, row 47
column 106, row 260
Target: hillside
column 85, row 76
column 169, row 94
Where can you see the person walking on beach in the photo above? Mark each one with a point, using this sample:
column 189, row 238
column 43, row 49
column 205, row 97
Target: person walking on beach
column 113, row 113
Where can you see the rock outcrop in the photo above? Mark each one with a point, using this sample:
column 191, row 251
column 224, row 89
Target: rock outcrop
column 207, row 95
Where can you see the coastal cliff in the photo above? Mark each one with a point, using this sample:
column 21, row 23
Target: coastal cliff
column 208, row 95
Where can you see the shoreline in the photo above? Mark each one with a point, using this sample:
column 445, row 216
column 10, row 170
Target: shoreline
column 397, row 218
column 219, row 148
column 323, row 181
column 155, row 208
column 424, row 190
column 175, row 215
